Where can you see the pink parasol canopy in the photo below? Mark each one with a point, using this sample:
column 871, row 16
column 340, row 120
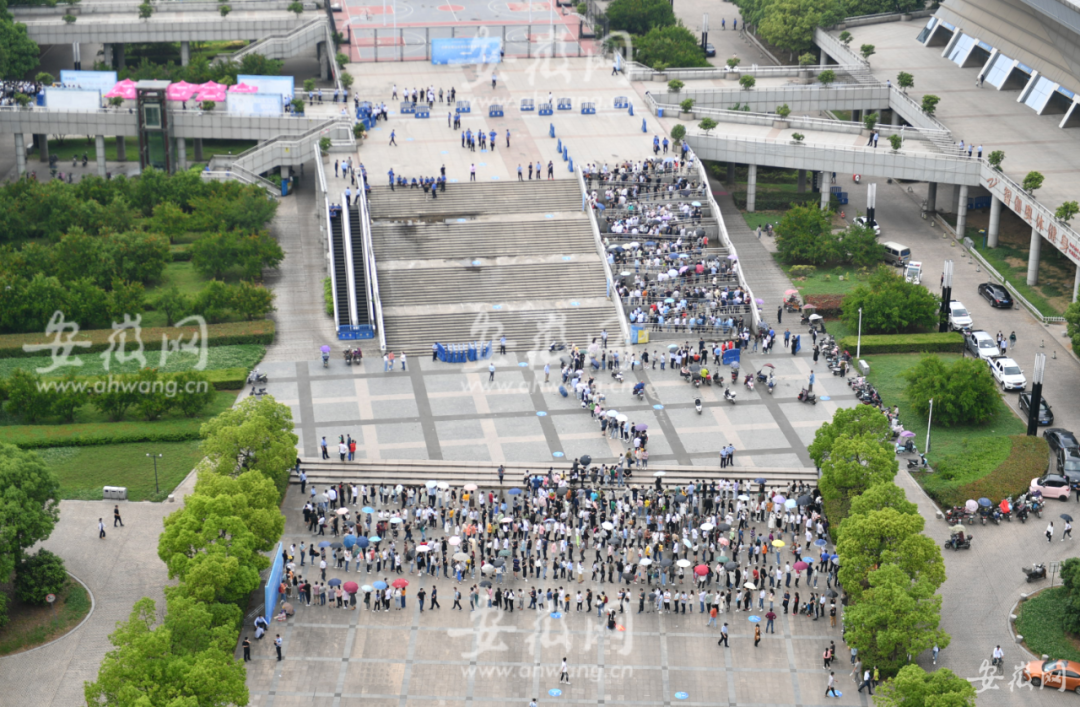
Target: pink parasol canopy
column 243, row 88
column 125, row 89
column 181, row 91
column 211, row 91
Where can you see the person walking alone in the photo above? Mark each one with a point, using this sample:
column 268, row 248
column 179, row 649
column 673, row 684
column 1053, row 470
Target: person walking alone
column 116, row 516
column 832, row 685
column 277, row 646
column 564, row 674
column 723, row 637
column 1049, row 532
column 101, row 528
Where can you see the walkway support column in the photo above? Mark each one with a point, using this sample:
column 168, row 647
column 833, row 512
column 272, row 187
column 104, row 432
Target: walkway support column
column 20, row 153
column 751, row 187
column 1076, row 284
column 961, row 212
column 825, row 194
column 895, row 117
column 43, row 147
column 99, row 148
column 931, row 197
column 198, row 149
column 731, row 174
column 121, row 148
column 995, row 222
column 1033, row 258
column 118, row 52
column 802, row 181
column 181, row 154
column 185, row 53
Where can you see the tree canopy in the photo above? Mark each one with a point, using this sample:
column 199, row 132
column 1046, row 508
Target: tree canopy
column 28, row 504
column 256, row 435
column 673, row 45
column 887, row 537
column 854, row 465
column 849, row 422
column 890, row 305
column 914, row 687
column 18, row 53
column 963, row 391
column 790, row 24
column 879, row 497
column 639, row 16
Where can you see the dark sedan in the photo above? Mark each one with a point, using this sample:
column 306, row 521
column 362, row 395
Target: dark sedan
column 710, row 50
column 1060, row 438
column 996, row 295
column 1046, row 416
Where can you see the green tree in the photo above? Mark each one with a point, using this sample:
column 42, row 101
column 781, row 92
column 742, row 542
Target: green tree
column 27, row 399
column 255, row 500
column 807, row 59
column 804, row 235
column 115, row 399
column 44, row 78
column 733, row 63
column 255, row 435
column 30, row 506
column 707, row 124
column 42, row 297
column 145, row 11
column 929, row 103
column 639, row 16
column 346, row 79
column 214, row 301
column 19, row 54
column 137, row 257
column 854, row 465
column 790, row 24
column 879, row 497
column 887, row 536
column 259, row 65
column 845, row 38
column 224, row 10
column 914, row 687
column 169, row 220
column 890, row 304
column 309, row 85
column 210, row 549
column 894, row 619
column 1072, row 324
column 686, row 105
column 296, row 7
column 826, row 77
column 193, row 392
column 896, row 142
column 87, row 304
column 1067, row 211
column 38, row 576
column 126, row 298
column 858, row 245
column 849, row 422
column 68, row 397
column 1070, row 579
column 673, row 45
column 783, row 111
column 1032, row 181
column 675, row 85
column 905, row 81
column 678, row 133
column 342, row 59
column 175, row 304
column 186, row 661
column 152, row 402
column 252, row 301
column 747, row 81
column 870, row 120
column 995, row 159
column 963, row 390
column 867, row 51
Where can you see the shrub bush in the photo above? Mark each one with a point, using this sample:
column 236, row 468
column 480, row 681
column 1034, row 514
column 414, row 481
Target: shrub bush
column 39, row 575
column 963, row 391
column 797, row 271
column 950, row 342
column 828, row 306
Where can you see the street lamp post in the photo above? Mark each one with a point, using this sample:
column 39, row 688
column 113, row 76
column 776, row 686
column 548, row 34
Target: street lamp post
column 858, row 342
column 155, row 457
column 929, row 418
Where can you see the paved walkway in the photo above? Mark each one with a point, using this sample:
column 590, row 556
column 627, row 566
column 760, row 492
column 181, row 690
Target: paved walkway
column 119, row 570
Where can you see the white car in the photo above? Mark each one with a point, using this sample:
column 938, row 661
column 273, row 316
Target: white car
column 981, row 345
column 958, row 315
column 1007, row 373
column 861, row 220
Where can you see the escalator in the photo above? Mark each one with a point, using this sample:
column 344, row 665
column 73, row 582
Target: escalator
column 341, row 282
column 359, row 273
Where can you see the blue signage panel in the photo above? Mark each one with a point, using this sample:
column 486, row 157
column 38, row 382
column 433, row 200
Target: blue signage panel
column 473, row 50
column 88, row 80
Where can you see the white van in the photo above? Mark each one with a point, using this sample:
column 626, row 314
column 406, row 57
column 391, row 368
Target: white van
column 896, row 254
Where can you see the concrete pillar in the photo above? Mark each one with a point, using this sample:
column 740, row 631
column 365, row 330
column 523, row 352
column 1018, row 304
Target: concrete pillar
column 731, row 174
column 1076, row 284
column 825, row 177
column 323, row 56
column 286, row 172
column 961, row 211
column 895, row 117
column 109, row 55
column 856, row 116
column 99, row 148
column 931, row 197
column 751, row 187
column 20, row 153
column 802, row 181
column 1033, row 258
column 198, row 149
column 43, row 147
column 824, row 59
column 185, row 53
column 121, row 148
column 118, row 52
column 181, row 154
column 76, row 55
column 995, row 222
column 956, row 198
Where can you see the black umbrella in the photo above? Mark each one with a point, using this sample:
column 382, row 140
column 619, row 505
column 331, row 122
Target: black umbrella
column 585, row 460
column 336, row 546
column 485, row 583
column 666, row 562
column 723, row 526
column 500, row 562
column 695, row 368
column 730, row 566
column 831, row 593
column 804, row 500
column 1066, row 517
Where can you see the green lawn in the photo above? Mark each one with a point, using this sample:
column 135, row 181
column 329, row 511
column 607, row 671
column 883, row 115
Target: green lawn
column 76, row 145
column 1017, row 276
column 184, row 277
column 824, row 281
column 1040, row 623
column 761, row 218
column 218, row 358
column 82, row 471
column 91, row 426
column 32, row 626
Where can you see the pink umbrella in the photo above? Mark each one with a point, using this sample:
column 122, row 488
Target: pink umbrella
column 800, row 565
column 125, row 89
column 211, row 91
column 243, row 88
column 181, row 91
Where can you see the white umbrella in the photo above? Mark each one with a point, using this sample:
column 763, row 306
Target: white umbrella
column 443, row 485
column 684, row 563
column 606, row 525
column 342, row 511
column 395, row 521
column 455, row 540
column 400, row 488
column 431, row 484
column 621, row 418
column 506, row 519
column 612, row 413
column 470, row 487
column 423, row 548
column 707, row 527
column 743, row 497
column 487, row 569
column 660, row 473
column 644, row 562
column 460, row 556
column 633, row 244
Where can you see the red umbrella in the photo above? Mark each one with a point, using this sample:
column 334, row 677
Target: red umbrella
column 399, row 583
column 800, row 565
column 701, row 570
column 350, row 587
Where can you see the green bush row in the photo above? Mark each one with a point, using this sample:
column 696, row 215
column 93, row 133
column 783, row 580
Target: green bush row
column 950, row 342
column 229, row 334
column 37, row 437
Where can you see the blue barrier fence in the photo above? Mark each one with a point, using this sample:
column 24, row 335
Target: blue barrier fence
column 272, row 584
column 462, row 353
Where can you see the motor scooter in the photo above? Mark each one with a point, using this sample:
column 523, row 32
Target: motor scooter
column 697, row 405
column 771, row 384
column 805, row 396
column 958, row 541
column 729, row 395
column 1035, row 573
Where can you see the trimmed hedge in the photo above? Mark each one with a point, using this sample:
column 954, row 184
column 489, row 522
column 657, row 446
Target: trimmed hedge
column 1026, row 461
column 180, row 253
column 221, row 378
column 229, row 334
column 828, row 306
column 950, row 342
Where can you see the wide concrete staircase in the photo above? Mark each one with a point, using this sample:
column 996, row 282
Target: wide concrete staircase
column 487, row 260
column 485, row 474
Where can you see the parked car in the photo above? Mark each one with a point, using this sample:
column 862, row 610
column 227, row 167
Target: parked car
column 996, row 295
column 1046, row 416
column 861, row 220
column 1007, row 373
column 1055, row 674
column 1051, row 486
column 1068, row 465
column 1060, row 438
column 981, row 345
column 958, row 316
column 710, row 50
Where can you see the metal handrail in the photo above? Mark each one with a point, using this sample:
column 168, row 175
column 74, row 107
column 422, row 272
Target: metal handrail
column 320, row 170
column 640, row 72
column 330, row 241
column 374, row 300
column 276, row 37
column 350, row 271
column 329, row 124
column 624, row 323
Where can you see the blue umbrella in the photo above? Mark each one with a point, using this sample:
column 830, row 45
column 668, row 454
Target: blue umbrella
column 759, row 481
column 334, row 582
column 808, row 560
column 985, row 502
column 362, row 542
column 367, row 509
column 514, row 492
column 374, row 538
column 380, row 585
column 324, row 543
column 754, row 619
column 349, row 540
column 821, row 542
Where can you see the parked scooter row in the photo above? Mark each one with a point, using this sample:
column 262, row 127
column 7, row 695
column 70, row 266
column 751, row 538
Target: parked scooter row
column 985, row 511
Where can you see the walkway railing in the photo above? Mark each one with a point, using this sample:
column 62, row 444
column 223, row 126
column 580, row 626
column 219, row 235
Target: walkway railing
column 640, row 72
column 374, row 300
column 239, row 174
column 624, row 323
column 350, row 270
